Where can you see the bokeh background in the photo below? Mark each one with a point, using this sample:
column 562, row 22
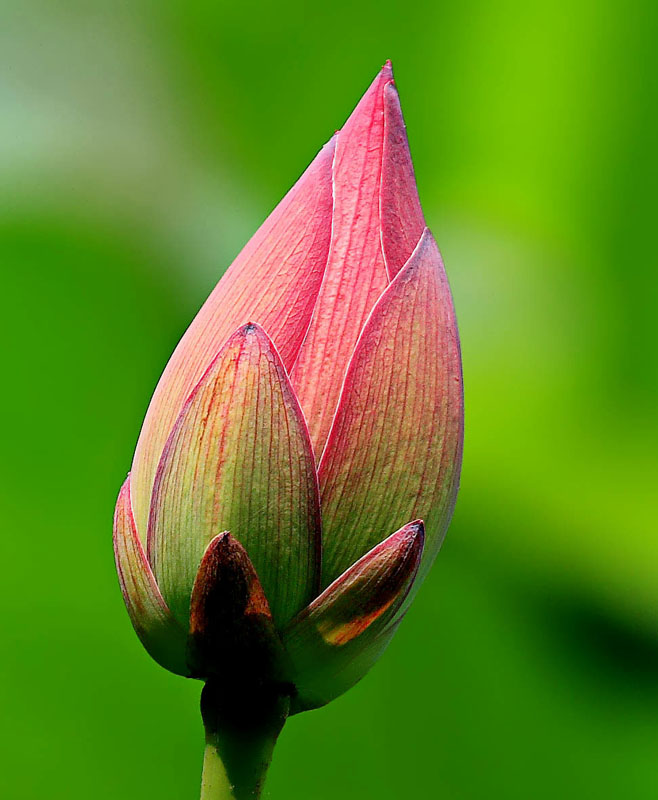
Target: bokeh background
column 141, row 143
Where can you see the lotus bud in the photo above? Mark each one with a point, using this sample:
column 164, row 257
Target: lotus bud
column 299, row 461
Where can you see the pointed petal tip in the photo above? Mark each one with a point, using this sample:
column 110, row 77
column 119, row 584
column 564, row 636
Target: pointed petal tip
column 247, row 331
column 253, row 337
column 408, row 543
column 415, row 534
column 325, row 154
column 416, row 530
column 223, row 541
column 372, row 100
column 409, row 535
column 426, row 251
column 426, row 239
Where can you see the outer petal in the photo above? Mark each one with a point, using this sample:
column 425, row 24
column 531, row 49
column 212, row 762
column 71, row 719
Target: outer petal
column 232, row 635
column 334, row 642
column 274, row 281
column 159, row 632
column 356, row 274
column 394, row 451
column 402, row 218
column 239, row 458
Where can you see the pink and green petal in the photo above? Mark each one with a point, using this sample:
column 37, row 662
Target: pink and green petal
column 356, row 273
column 394, row 450
column 239, row 458
column 334, row 641
column 232, row 635
column 274, row 281
column 162, row 636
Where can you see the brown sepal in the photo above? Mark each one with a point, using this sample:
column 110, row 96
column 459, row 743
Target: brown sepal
column 232, row 638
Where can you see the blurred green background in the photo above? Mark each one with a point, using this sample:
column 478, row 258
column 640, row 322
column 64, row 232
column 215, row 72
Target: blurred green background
column 140, row 146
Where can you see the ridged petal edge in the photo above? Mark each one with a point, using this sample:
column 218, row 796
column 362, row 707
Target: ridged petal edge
column 162, row 636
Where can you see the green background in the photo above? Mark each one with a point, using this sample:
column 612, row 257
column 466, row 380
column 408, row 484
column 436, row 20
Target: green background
column 140, row 146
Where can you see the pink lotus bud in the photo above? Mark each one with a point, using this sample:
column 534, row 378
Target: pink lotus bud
column 312, row 408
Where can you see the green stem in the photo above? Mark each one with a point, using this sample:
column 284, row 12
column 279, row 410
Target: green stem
column 235, row 775
column 240, row 739
column 215, row 784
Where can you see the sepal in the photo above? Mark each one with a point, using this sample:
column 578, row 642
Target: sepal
column 340, row 635
column 232, row 636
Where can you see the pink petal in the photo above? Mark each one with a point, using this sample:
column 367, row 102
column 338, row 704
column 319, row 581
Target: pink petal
column 159, row 632
column 274, row 281
column 394, row 451
column 356, row 273
column 401, row 215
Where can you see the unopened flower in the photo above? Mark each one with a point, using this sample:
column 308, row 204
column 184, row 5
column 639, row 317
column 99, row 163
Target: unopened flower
column 299, row 461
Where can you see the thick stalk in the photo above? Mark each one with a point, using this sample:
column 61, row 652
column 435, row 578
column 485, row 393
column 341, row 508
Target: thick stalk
column 240, row 738
column 215, row 784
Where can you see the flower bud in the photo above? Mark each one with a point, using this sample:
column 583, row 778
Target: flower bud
column 299, row 461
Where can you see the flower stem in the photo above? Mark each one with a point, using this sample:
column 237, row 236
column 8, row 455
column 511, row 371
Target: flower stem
column 240, row 738
column 215, row 784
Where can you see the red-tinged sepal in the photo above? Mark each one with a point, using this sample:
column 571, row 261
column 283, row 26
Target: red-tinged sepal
column 232, row 635
column 239, row 458
column 335, row 641
column 162, row 636
column 394, row 451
